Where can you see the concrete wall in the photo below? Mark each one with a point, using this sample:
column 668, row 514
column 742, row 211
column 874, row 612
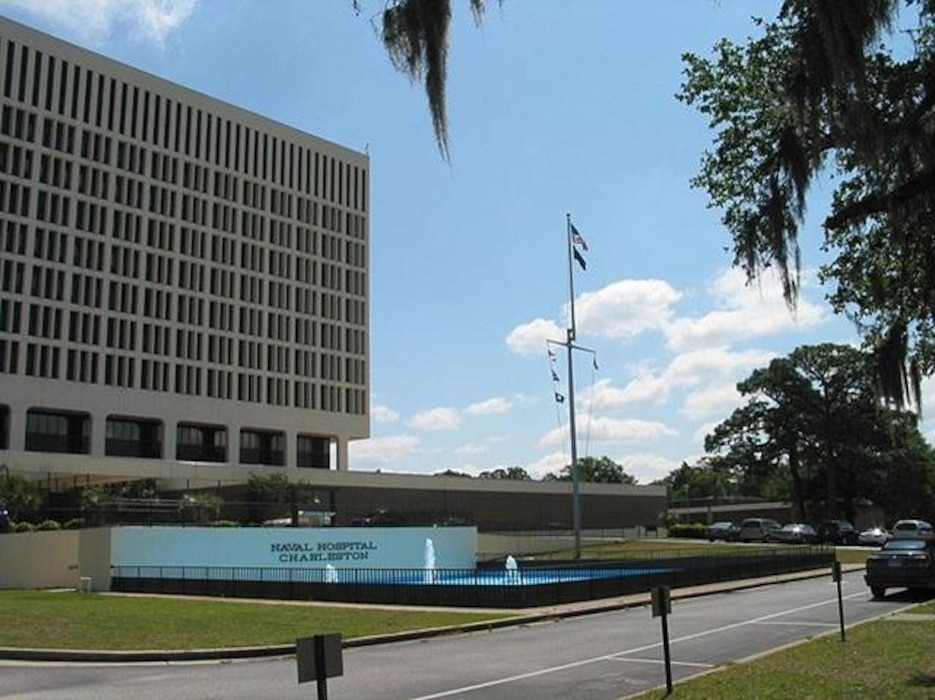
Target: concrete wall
column 40, row 559
column 293, row 548
column 59, row 559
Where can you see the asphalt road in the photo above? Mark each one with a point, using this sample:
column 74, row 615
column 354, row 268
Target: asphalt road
column 592, row 657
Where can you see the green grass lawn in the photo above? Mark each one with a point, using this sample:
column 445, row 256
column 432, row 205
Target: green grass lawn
column 680, row 547
column 70, row 620
column 883, row 660
column 625, row 549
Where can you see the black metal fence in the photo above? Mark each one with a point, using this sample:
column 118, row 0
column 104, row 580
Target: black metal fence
column 529, row 585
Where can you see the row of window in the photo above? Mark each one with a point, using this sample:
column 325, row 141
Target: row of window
column 93, row 181
column 52, row 84
column 46, row 361
column 70, row 432
column 155, row 233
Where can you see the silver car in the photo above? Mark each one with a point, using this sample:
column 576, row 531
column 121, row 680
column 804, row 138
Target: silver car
column 912, row 528
column 757, row 529
column 873, row 537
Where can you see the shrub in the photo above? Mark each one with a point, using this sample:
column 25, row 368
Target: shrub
column 24, row 527
column 74, row 524
column 225, row 523
column 688, row 530
column 49, row 525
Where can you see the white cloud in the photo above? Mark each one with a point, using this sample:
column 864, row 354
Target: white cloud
column 97, row 20
column 471, row 448
column 688, row 369
column 438, row 418
column 493, row 406
column 711, row 401
column 609, row 430
column 642, row 390
column 647, row 467
column 530, row 338
column 627, row 308
column 383, row 414
column 746, row 311
column 703, row 431
column 377, row 452
column 550, row 464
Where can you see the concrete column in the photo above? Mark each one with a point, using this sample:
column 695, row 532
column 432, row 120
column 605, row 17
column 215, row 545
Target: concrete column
column 17, row 429
column 233, row 443
column 169, row 439
column 341, row 456
column 290, row 451
column 98, row 433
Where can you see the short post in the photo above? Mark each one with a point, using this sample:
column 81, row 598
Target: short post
column 319, row 658
column 836, row 575
column 662, row 606
column 84, row 584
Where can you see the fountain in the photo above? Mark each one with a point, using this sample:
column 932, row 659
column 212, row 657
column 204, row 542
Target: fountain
column 331, row 574
column 429, row 561
column 512, row 570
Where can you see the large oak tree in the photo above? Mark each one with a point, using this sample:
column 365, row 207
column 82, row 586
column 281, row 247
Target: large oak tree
column 815, row 417
column 826, row 89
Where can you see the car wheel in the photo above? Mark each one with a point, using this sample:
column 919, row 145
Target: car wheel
column 878, row 591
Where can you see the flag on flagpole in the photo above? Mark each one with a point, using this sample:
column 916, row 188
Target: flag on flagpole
column 577, row 238
column 580, row 259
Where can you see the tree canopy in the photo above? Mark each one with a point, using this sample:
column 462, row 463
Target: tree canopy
column 415, row 34
column 813, row 427
column 826, row 89
column 602, row 470
column 512, row 473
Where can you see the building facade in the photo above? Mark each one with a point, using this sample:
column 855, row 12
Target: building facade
column 182, row 282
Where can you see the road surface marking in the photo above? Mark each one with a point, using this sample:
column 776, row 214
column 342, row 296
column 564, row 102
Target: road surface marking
column 635, row 650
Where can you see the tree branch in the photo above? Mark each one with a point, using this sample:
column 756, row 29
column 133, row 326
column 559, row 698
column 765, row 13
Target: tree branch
column 876, row 203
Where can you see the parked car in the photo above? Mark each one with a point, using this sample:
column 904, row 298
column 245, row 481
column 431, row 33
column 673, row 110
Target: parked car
column 757, row 529
column 793, row 533
column 912, row 528
column 4, row 518
column 901, row 562
column 837, row 532
column 873, row 536
column 724, row 530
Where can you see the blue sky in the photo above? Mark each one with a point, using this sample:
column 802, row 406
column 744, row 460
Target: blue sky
column 554, row 107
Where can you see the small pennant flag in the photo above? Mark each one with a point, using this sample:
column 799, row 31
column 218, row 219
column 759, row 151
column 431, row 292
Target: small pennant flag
column 551, row 354
column 577, row 238
column 554, row 376
column 594, row 361
column 580, row 259
column 559, row 398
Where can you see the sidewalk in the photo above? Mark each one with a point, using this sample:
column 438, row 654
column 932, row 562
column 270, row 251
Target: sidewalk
column 524, row 616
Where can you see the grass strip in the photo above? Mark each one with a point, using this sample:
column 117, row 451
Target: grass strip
column 71, row 620
column 883, row 660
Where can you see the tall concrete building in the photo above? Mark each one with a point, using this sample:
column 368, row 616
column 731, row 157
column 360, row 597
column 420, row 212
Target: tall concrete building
column 183, row 283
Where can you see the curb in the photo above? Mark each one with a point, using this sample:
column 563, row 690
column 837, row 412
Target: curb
column 539, row 615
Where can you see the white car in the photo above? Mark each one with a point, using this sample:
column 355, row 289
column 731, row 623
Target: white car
column 874, row 536
column 912, row 528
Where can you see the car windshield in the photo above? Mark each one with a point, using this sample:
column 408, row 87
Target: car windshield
column 905, row 545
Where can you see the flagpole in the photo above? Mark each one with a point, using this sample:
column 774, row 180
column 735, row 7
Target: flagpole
column 575, row 496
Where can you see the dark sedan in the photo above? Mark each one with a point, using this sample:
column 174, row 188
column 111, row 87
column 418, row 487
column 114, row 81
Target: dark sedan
column 726, row 530
column 793, row 533
column 901, row 563
column 837, row 532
